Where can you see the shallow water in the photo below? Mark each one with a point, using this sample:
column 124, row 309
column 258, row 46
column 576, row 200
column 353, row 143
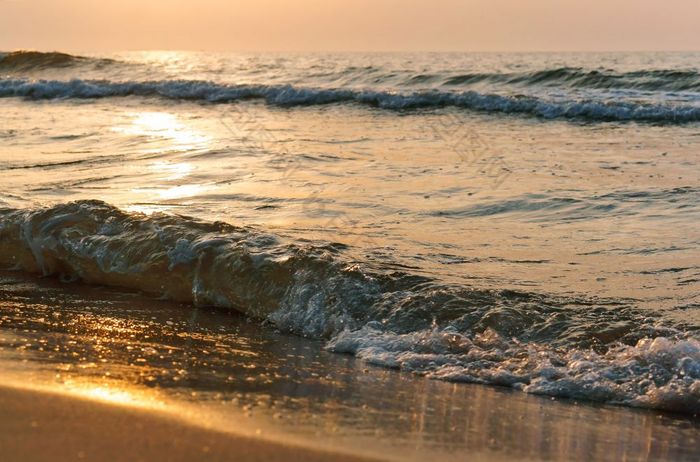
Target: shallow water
column 522, row 220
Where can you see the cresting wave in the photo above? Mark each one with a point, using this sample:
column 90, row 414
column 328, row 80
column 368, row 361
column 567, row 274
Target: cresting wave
column 289, row 96
column 24, row 60
column 577, row 77
column 671, row 79
column 586, row 349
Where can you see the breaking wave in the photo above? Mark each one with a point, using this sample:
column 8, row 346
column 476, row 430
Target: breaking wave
column 569, row 347
column 289, row 96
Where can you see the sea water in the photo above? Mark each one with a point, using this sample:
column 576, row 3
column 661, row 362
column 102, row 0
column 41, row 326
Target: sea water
column 526, row 220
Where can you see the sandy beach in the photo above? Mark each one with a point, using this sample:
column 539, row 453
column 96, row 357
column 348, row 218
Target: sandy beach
column 43, row 426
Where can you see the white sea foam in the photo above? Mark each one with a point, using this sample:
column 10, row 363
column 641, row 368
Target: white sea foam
column 659, row 373
column 287, row 96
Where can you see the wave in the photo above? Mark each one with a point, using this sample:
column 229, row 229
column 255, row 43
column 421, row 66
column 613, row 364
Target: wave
column 23, row 60
column 654, row 80
column 577, row 77
column 538, row 207
column 684, row 79
column 582, row 348
column 290, row 96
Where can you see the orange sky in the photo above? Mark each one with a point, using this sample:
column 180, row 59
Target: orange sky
column 351, row 25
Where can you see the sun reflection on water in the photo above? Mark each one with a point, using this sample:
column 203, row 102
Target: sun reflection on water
column 170, row 133
column 166, row 128
column 182, row 191
column 172, row 170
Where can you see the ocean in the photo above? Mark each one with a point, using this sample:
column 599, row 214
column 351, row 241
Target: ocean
column 521, row 220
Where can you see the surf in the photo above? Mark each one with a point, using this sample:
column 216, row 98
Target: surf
column 290, row 96
column 583, row 348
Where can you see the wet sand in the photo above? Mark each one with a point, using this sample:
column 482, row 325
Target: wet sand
column 42, row 426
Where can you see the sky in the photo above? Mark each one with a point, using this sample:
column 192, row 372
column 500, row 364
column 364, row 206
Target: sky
column 350, row 25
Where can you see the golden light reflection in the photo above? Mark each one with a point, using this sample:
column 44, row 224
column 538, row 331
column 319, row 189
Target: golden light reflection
column 172, row 170
column 172, row 134
column 182, row 192
column 113, row 392
column 165, row 127
column 107, row 391
column 108, row 394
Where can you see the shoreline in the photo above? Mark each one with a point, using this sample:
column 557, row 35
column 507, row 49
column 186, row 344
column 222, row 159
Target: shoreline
column 107, row 364
column 41, row 425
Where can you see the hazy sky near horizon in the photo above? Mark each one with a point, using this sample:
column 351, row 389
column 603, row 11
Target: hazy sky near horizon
column 350, row 25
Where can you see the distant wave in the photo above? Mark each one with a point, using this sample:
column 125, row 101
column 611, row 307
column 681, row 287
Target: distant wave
column 288, row 96
column 598, row 350
column 538, row 207
column 23, row 61
column 571, row 77
column 576, row 77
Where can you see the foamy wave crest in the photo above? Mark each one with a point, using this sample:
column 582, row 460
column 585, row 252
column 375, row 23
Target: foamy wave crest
column 288, row 96
column 583, row 348
column 36, row 60
column 654, row 373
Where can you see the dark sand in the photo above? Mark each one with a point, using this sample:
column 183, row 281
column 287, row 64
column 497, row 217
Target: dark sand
column 42, row 426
